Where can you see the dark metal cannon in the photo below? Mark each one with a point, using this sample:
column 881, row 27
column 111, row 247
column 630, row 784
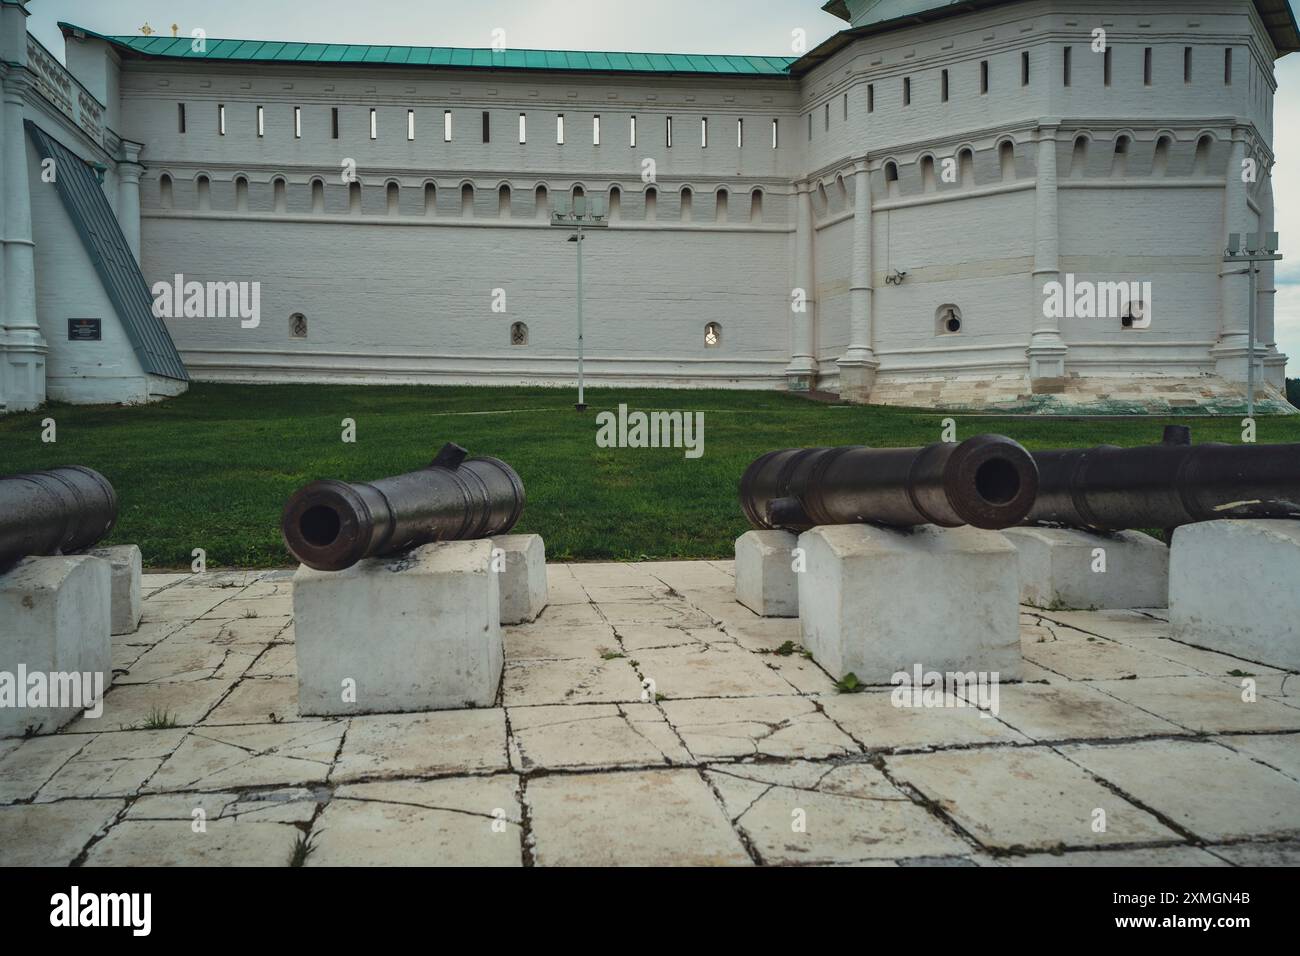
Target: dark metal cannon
column 988, row 481
column 331, row 525
column 1108, row 488
column 62, row 510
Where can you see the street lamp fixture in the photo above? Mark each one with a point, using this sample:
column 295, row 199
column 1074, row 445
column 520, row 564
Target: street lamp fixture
column 1251, row 248
column 584, row 214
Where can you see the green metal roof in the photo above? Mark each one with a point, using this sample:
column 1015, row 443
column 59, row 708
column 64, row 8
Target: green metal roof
column 88, row 207
column 579, row 61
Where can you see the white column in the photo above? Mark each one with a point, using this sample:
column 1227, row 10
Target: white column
column 26, row 348
column 128, row 194
column 858, row 364
column 1234, row 284
column 801, row 373
column 1046, row 349
column 4, row 311
column 1265, row 329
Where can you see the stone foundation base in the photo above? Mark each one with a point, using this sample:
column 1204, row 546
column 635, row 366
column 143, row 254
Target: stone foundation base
column 875, row 602
column 417, row 631
column 1233, row 588
column 1077, row 395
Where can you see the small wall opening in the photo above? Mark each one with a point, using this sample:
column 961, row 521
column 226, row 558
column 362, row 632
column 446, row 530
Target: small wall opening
column 165, row 191
column 712, row 335
column 1119, row 161
column 1007, row 161
column 298, row 326
column 947, row 320
column 467, row 200
column 392, row 194
column 756, row 206
column 241, row 194
column 317, row 196
column 542, row 203
column 518, row 334
column 204, row 193
column 279, row 196
column 1160, row 161
column 1201, row 164
column 720, row 210
column 688, row 204
column 430, row 199
column 503, row 201
column 1079, row 157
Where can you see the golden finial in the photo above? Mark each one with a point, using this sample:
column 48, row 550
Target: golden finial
column 176, row 29
column 147, row 30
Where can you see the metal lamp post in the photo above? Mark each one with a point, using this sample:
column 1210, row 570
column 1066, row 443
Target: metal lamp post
column 584, row 214
column 1250, row 249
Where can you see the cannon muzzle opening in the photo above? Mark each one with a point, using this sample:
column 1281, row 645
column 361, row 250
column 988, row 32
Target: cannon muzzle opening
column 988, row 481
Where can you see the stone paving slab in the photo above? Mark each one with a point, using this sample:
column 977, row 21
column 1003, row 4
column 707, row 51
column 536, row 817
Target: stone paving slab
column 812, row 813
column 1208, row 790
column 595, row 735
column 423, row 745
column 459, row 822
column 759, row 726
column 251, row 755
column 1027, row 797
column 630, row 818
column 52, row 834
column 872, row 719
column 175, row 843
column 648, row 718
column 1203, row 704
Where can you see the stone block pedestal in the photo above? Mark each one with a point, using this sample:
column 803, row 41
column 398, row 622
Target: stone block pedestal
column 419, row 631
column 521, row 570
column 1062, row 568
column 54, row 627
column 126, row 569
column 876, row 601
column 765, row 577
column 1234, row 587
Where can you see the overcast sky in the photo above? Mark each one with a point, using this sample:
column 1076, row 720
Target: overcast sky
column 676, row 26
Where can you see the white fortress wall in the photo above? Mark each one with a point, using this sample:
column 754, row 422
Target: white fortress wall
column 400, row 287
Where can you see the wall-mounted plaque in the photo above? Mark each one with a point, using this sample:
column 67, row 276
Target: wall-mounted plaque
column 85, row 330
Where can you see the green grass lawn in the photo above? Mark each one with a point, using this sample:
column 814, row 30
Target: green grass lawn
column 213, row 468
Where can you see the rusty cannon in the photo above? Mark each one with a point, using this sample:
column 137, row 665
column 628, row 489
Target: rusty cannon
column 59, row 511
column 988, row 481
column 1108, row 488
column 330, row 525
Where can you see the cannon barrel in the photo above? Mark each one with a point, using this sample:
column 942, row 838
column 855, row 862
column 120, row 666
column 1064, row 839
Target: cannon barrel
column 988, row 481
column 62, row 510
column 1163, row 486
column 331, row 525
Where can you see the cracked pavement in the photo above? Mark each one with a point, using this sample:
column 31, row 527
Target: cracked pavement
column 647, row 718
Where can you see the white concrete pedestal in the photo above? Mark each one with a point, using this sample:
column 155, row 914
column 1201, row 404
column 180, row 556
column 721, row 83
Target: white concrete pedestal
column 126, row 568
column 1234, row 587
column 765, row 577
column 419, row 631
column 875, row 601
column 521, row 570
column 54, row 631
column 1063, row 568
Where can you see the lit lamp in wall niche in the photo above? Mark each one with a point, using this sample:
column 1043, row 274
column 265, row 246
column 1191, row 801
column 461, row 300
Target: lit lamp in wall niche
column 1251, row 248
column 580, row 215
